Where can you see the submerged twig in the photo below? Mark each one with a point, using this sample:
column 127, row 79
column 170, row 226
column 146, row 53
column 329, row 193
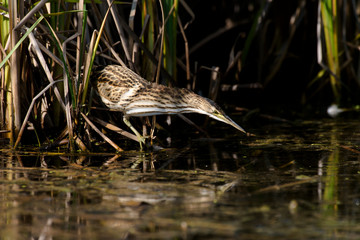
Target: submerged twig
column 286, row 185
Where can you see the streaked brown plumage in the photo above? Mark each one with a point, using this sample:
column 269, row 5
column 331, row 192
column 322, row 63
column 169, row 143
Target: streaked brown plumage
column 123, row 90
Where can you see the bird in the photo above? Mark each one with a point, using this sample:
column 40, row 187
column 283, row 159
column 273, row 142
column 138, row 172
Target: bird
column 123, row 90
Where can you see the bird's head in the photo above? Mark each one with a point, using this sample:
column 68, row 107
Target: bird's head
column 208, row 107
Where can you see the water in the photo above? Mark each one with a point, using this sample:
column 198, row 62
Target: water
column 290, row 181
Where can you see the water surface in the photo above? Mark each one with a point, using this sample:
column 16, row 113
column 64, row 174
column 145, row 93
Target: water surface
column 290, row 181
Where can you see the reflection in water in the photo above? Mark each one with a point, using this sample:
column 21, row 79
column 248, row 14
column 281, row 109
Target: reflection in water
column 298, row 183
column 330, row 195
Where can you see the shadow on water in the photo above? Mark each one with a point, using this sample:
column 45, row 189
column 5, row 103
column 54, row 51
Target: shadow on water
column 295, row 182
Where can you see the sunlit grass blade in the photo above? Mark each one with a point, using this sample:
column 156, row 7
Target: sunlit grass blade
column 81, row 50
column 329, row 17
column 147, row 9
column 170, row 32
column 20, row 41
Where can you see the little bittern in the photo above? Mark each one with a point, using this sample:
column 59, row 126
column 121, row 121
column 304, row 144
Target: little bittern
column 123, row 90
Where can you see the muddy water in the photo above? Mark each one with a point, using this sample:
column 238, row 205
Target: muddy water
column 290, row 181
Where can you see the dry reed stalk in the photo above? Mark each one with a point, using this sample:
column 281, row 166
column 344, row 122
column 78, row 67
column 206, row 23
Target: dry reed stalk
column 186, row 47
column 214, row 83
column 31, row 14
column 79, row 44
column 91, row 55
column 116, row 129
column 80, row 144
column 14, row 101
column 297, row 18
column 29, row 111
column 132, row 25
column 145, row 50
column 108, row 140
column 36, row 48
column 113, row 52
column 188, row 121
column 120, row 30
column 157, row 79
column 67, row 92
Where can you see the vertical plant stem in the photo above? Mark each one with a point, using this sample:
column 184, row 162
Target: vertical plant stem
column 186, row 46
column 69, row 91
column 171, row 9
column 330, row 29
column 80, row 40
column 57, row 22
column 4, row 35
column 149, row 36
column 120, row 30
column 158, row 66
column 15, row 121
column 92, row 52
column 132, row 23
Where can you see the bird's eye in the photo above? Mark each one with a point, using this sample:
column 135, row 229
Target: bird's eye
column 216, row 112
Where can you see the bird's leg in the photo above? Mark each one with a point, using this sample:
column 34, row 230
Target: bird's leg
column 140, row 138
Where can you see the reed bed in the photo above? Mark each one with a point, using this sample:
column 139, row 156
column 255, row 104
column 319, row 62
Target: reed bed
column 48, row 48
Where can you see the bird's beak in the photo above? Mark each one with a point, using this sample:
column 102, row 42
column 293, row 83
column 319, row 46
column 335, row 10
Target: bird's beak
column 228, row 120
column 234, row 124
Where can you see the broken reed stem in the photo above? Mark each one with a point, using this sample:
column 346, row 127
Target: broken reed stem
column 116, row 129
column 113, row 52
column 186, row 47
column 29, row 111
column 68, row 92
column 214, row 83
column 108, row 140
column 42, row 60
column 80, row 144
